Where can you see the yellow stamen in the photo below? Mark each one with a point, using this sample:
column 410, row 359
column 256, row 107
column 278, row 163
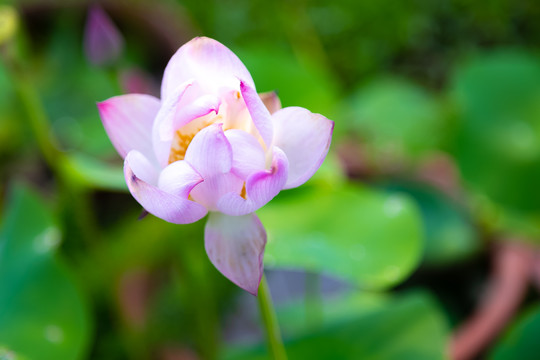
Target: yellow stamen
column 243, row 192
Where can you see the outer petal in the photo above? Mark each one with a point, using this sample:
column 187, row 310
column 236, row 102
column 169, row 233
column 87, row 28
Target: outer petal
column 261, row 187
column 170, row 207
column 235, row 245
column 259, row 113
column 248, row 155
column 206, row 60
column 305, row 138
column 128, row 121
column 271, row 100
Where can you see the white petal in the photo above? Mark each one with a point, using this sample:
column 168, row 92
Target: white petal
column 248, row 155
column 205, row 60
column 209, row 152
column 305, row 138
column 259, row 113
column 261, row 187
column 178, row 177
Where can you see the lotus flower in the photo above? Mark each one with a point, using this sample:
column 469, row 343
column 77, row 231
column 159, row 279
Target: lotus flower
column 213, row 145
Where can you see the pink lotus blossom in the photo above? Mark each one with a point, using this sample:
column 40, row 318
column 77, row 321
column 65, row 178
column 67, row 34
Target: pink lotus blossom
column 213, row 145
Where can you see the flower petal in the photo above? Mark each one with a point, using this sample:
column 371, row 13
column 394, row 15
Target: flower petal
column 178, row 177
column 214, row 188
column 271, row 100
column 128, row 121
column 182, row 106
column 185, row 104
column 170, row 207
column 235, row 245
column 211, row 155
column 261, row 187
column 145, row 170
column 164, row 123
column 210, row 152
column 247, row 153
column 259, row 113
column 206, row 60
column 305, row 138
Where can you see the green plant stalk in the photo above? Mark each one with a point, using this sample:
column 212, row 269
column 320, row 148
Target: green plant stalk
column 37, row 119
column 73, row 195
column 268, row 314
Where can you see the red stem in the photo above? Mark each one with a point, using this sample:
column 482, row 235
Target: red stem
column 513, row 264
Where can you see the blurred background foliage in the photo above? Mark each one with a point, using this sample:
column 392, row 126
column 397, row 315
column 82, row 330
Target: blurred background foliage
column 384, row 254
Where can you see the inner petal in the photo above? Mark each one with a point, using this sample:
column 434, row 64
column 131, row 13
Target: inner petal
column 232, row 113
column 183, row 136
column 236, row 115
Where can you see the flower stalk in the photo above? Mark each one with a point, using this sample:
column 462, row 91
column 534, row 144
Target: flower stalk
column 78, row 211
column 268, row 315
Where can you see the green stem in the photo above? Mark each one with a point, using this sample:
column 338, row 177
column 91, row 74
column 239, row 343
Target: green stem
column 74, row 197
column 37, row 119
column 268, row 314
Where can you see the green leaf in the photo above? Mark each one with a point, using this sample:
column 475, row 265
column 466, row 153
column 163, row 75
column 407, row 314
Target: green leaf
column 407, row 327
column 302, row 316
column 450, row 234
column 396, row 117
column 6, row 354
column 41, row 311
column 95, row 173
column 521, row 342
column 369, row 238
column 498, row 140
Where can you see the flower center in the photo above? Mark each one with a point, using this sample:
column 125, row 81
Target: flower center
column 232, row 113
